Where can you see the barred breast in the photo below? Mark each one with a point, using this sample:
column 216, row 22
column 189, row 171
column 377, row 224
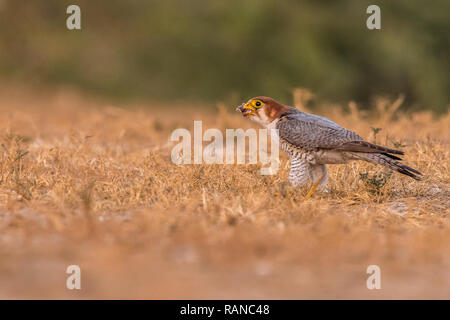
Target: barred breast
column 315, row 156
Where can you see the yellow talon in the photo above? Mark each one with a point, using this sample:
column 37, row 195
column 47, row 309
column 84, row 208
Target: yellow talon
column 311, row 191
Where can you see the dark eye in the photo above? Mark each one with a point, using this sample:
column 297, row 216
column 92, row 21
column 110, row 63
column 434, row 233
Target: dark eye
column 258, row 104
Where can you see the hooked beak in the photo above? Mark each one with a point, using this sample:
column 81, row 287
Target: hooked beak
column 246, row 111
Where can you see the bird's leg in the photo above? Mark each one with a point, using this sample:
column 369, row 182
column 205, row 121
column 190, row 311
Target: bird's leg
column 319, row 177
column 311, row 191
column 324, row 179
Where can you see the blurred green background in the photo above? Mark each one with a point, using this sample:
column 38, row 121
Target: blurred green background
column 215, row 50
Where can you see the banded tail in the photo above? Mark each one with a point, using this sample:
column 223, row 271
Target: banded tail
column 389, row 161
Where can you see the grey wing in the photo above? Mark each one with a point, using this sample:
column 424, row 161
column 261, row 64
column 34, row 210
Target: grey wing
column 310, row 132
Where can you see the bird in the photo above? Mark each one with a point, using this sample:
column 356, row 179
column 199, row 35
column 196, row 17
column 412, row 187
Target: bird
column 312, row 142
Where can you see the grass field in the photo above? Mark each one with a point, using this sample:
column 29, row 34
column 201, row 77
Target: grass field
column 87, row 183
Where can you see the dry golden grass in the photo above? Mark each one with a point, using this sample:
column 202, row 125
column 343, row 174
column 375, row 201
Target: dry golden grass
column 85, row 183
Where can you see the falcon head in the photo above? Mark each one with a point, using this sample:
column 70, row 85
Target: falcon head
column 263, row 110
